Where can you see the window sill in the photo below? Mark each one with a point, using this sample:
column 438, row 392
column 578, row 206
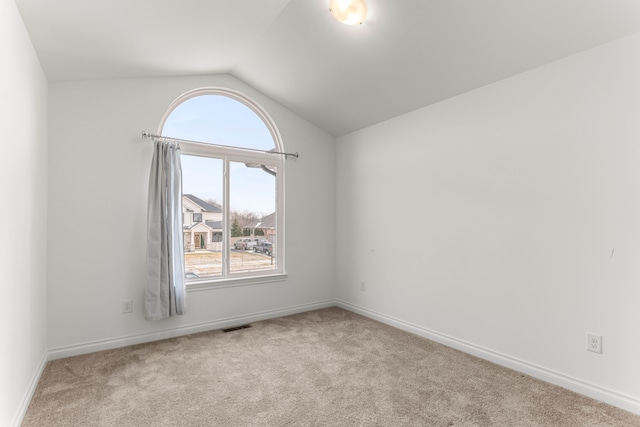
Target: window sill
column 205, row 285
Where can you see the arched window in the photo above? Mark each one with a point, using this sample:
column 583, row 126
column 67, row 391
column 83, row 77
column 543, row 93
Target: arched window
column 232, row 182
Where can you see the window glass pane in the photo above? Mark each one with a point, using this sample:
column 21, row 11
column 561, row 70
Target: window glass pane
column 219, row 120
column 202, row 216
column 252, row 228
column 219, row 181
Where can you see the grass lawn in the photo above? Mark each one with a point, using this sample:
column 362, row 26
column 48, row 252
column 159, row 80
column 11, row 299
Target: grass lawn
column 207, row 263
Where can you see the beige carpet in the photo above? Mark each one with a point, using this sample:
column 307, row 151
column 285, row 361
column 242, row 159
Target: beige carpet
column 323, row 368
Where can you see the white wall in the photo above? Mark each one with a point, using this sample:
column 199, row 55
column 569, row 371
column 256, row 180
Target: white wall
column 506, row 221
column 23, row 232
column 98, row 171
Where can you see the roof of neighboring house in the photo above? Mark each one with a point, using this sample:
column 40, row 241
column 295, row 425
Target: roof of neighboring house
column 206, row 206
column 216, row 225
column 268, row 221
column 213, row 225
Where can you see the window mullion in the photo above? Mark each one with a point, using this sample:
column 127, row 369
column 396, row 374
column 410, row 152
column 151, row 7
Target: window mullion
column 226, row 246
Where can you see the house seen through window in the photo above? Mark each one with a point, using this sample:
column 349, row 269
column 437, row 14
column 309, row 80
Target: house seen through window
column 232, row 186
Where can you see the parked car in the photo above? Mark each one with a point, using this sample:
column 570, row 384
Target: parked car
column 264, row 247
column 251, row 244
column 243, row 244
column 191, row 275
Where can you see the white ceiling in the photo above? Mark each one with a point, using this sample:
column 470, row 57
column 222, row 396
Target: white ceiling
column 409, row 53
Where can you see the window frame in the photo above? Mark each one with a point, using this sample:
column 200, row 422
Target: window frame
column 232, row 154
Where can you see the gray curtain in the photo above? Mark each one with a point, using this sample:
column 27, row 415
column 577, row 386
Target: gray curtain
column 165, row 294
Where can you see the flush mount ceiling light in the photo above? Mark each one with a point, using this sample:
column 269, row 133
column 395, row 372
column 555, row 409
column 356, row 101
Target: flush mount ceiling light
column 350, row 12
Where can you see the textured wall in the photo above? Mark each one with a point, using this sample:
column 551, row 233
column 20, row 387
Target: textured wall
column 99, row 169
column 510, row 218
column 23, row 216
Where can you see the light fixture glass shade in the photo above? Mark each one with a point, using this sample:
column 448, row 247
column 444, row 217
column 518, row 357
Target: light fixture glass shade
column 350, row 12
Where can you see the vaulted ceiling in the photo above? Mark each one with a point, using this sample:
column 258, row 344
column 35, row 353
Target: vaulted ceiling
column 408, row 54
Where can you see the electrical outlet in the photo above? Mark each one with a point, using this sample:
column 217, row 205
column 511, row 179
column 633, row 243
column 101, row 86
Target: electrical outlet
column 363, row 285
column 594, row 343
column 127, row 306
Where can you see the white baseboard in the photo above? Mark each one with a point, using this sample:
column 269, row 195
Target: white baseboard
column 28, row 395
column 107, row 344
column 593, row 391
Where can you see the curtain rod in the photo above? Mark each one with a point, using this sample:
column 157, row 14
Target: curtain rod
column 146, row 134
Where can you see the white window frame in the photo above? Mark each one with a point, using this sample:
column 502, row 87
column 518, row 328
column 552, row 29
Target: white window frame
column 233, row 154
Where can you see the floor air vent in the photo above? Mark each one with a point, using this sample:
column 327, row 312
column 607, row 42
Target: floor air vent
column 236, row 328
